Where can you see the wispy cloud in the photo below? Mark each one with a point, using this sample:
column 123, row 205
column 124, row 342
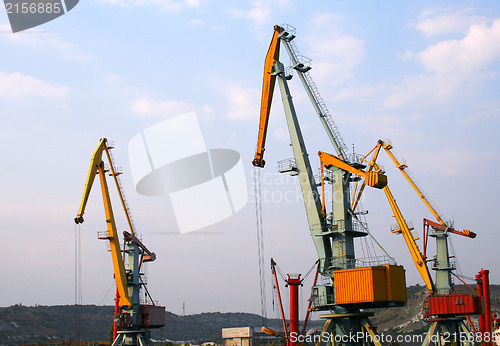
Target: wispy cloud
column 169, row 5
column 448, row 160
column 147, row 107
column 195, row 22
column 260, row 14
column 432, row 23
column 17, row 85
column 334, row 53
column 44, row 39
column 241, row 102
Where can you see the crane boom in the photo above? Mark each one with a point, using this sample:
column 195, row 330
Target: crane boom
column 97, row 168
column 415, row 253
column 93, row 171
column 267, row 95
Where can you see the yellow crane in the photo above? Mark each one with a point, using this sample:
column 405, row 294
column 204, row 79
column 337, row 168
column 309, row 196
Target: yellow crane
column 375, row 177
column 97, row 168
column 444, row 308
column 131, row 317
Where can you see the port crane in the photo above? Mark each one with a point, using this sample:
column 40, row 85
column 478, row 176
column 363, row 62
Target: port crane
column 444, row 308
column 347, row 291
column 132, row 318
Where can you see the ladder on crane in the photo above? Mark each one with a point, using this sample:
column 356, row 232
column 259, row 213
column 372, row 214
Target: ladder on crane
column 302, row 64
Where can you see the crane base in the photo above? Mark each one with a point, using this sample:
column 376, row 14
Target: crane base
column 132, row 338
column 350, row 328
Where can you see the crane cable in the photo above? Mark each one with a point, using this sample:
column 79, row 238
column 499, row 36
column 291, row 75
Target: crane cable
column 78, row 281
column 260, row 243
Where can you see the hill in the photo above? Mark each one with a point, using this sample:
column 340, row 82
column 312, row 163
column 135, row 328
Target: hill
column 23, row 324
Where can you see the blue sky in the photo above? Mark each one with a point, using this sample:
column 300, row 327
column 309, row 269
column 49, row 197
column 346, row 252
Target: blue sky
column 425, row 75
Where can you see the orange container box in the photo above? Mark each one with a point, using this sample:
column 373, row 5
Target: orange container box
column 381, row 285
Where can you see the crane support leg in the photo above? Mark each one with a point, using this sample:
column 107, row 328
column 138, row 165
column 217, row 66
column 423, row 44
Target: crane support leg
column 348, row 329
column 449, row 332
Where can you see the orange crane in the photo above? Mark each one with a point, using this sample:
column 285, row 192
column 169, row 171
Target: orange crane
column 334, row 235
column 132, row 319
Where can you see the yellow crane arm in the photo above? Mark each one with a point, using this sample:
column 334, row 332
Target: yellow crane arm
column 401, row 166
column 267, row 96
column 97, row 168
column 376, row 179
column 94, row 166
column 417, row 256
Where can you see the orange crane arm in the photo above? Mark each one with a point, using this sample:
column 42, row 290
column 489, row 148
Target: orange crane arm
column 435, row 225
column 267, row 96
column 97, row 168
column 376, row 179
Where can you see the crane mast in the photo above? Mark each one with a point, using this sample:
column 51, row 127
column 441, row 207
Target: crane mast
column 338, row 254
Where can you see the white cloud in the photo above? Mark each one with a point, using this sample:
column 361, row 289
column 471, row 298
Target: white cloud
column 242, row 102
column 334, row 54
column 469, row 55
column 195, row 22
column 260, row 13
column 17, row 85
column 147, row 107
column 425, row 88
column 447, row 23
column 452, row 66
